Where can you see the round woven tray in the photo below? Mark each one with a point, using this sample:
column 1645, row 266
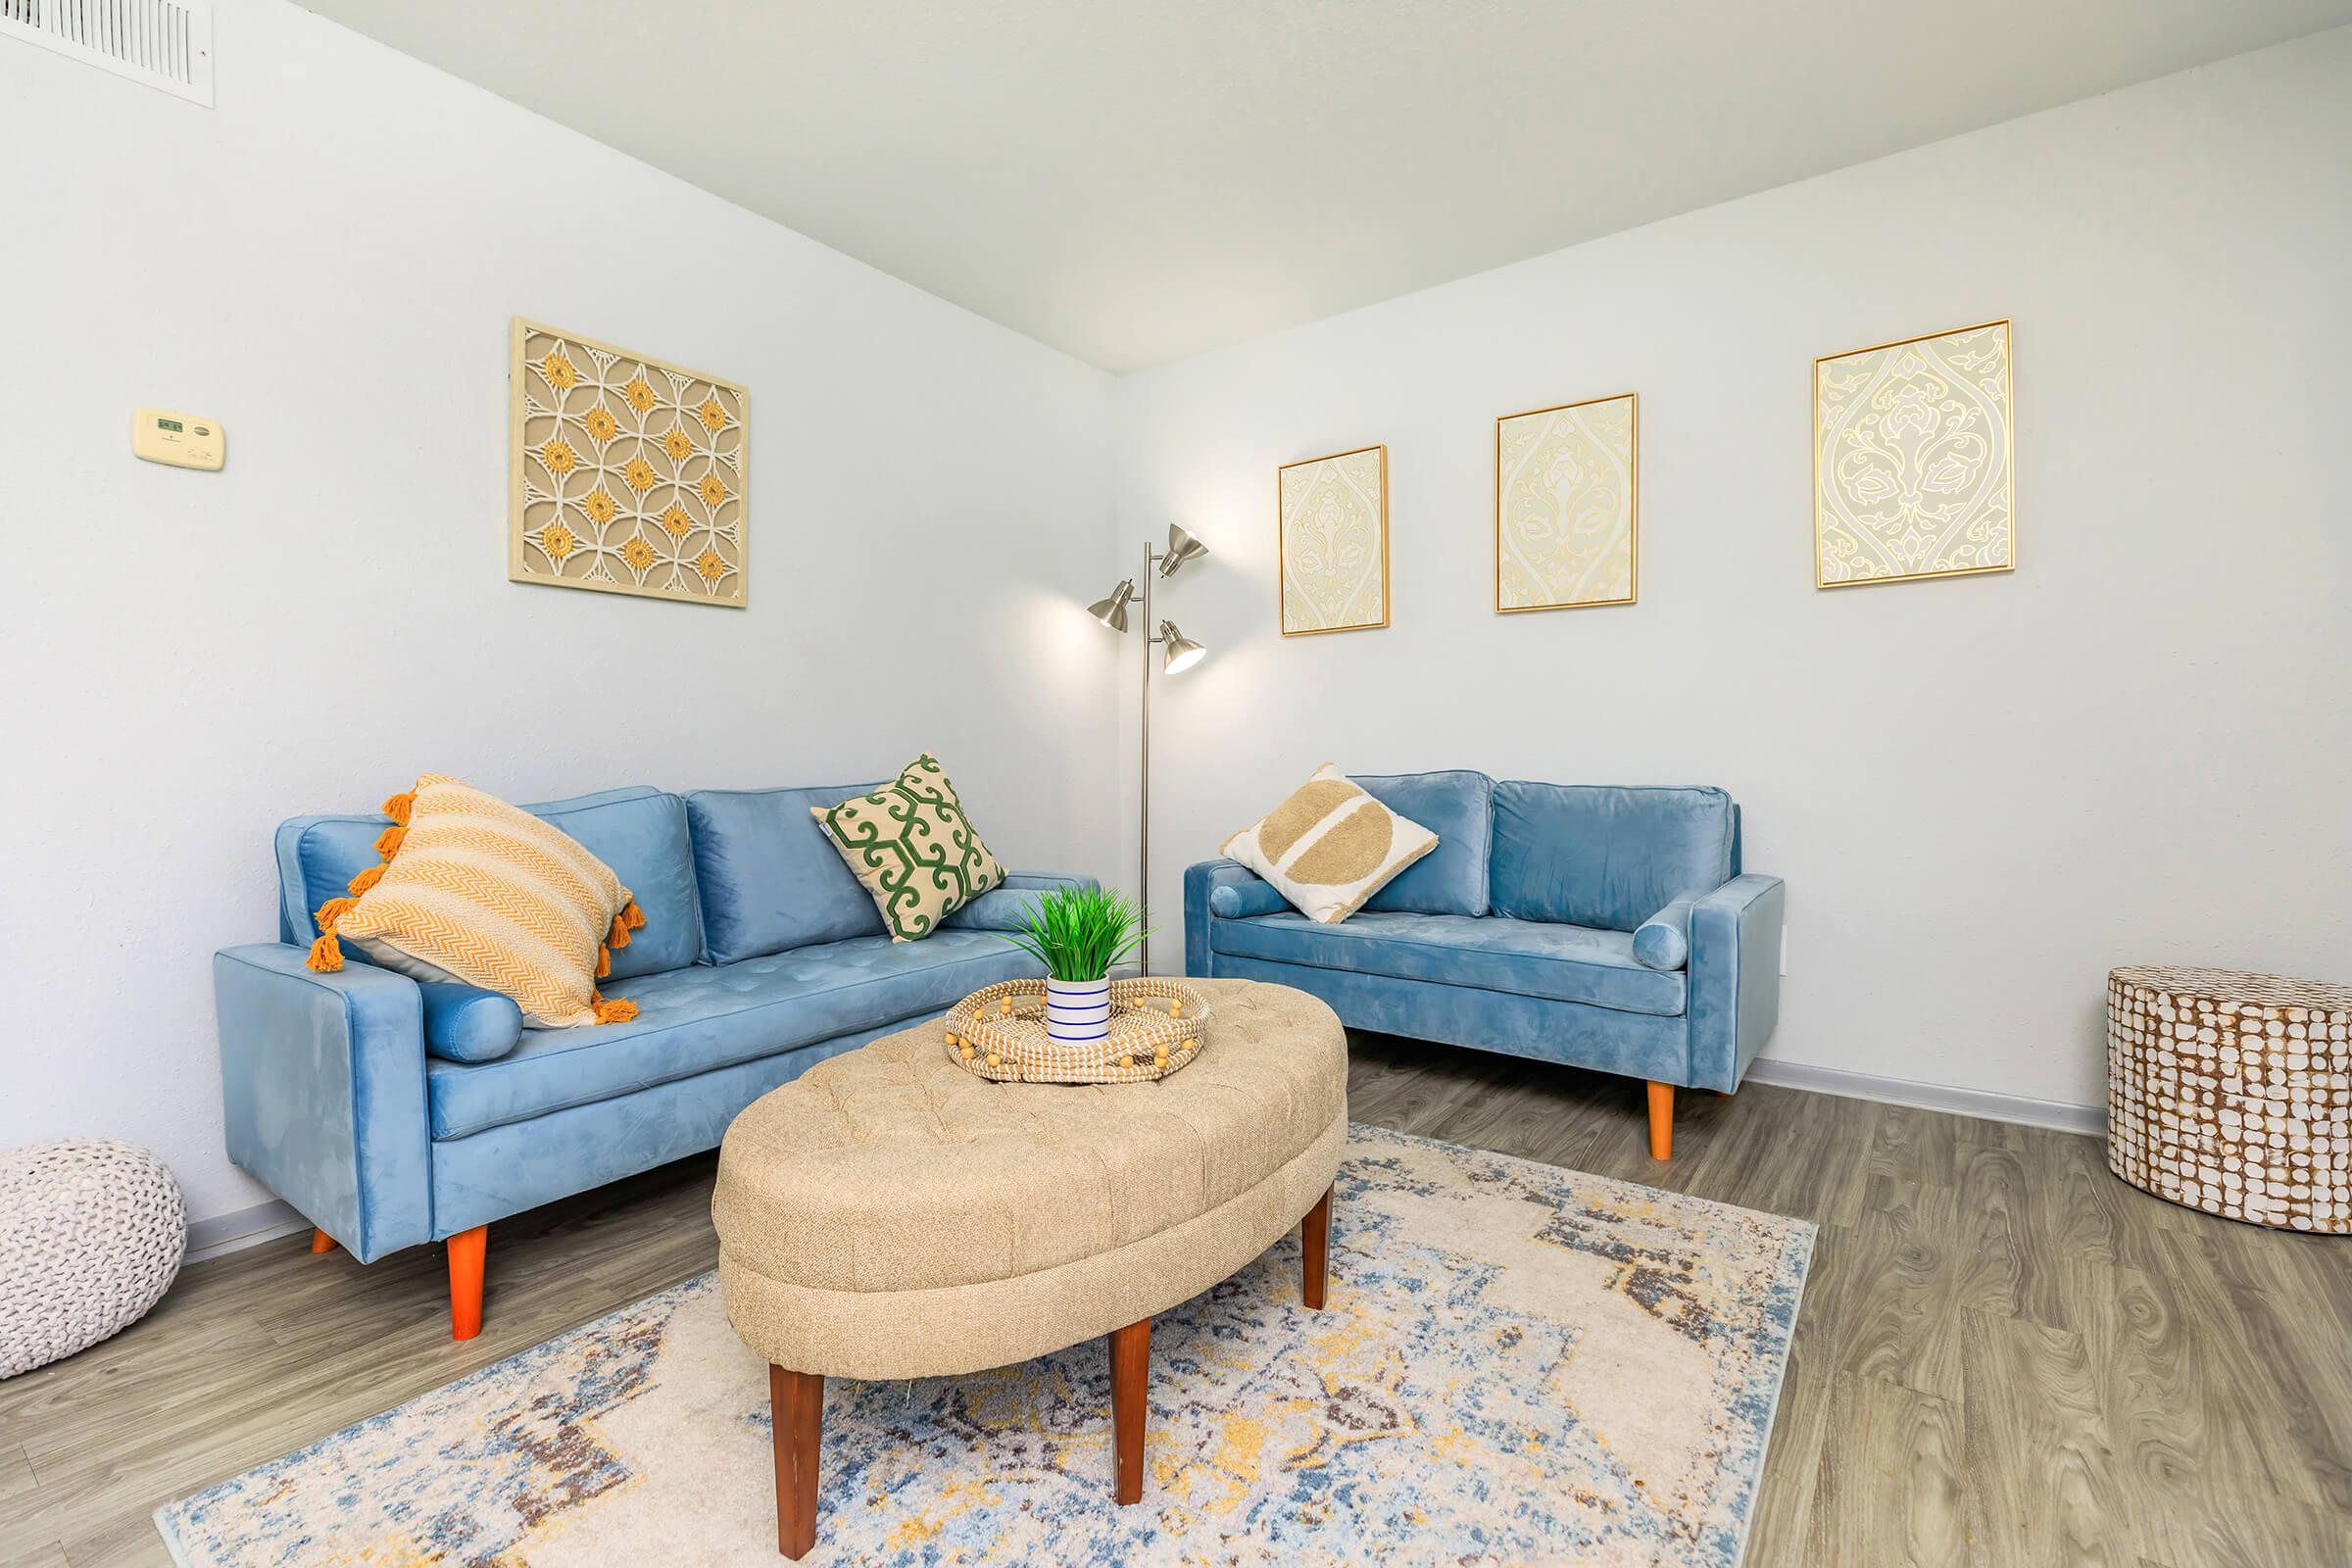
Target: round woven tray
column 999, row 1033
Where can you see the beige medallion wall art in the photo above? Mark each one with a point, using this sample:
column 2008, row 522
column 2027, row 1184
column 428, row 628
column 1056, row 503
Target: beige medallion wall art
column 1333, row 541
column 1566, row 506
column 1912, row 471
column 627, row 472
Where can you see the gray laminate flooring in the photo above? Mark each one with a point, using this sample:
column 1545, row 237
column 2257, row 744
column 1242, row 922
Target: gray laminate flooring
column 2006, row 1355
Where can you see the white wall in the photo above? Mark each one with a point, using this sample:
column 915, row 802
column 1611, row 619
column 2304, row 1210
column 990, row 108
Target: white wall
column 1984, row 792
column 328, row 262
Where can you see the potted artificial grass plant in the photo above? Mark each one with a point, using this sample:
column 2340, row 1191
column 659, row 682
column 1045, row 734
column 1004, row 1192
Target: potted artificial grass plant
column 1078, row 933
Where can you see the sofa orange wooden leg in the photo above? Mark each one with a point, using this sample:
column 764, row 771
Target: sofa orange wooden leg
column 1661, row 1120
column 465, row 1252
column 321, row 1241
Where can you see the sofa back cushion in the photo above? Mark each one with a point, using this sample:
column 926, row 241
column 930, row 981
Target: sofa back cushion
column 638, row 831
column 644, row 840
column 1606, row 856
column 1458, row 807
column 771, row 880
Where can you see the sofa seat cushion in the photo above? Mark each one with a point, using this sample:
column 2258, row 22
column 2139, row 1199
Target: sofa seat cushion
column 1522, row 957
column 696, row 1019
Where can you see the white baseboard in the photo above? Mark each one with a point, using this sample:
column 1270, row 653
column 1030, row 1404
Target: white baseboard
column 246, row 1227
column 2052, row 1114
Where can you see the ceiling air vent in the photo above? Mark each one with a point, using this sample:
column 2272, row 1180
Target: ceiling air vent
column 164, row 43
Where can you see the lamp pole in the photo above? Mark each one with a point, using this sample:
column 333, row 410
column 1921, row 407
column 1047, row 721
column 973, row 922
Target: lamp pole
column 1143, row 871
column 1178, row 652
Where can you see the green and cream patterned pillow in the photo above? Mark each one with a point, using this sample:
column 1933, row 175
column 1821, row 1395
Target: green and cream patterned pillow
column 914, row 849
column 1330, row 846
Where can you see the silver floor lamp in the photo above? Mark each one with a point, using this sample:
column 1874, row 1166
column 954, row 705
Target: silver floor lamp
column 1179, row 653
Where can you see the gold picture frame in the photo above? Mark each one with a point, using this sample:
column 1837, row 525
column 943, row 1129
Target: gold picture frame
column 1915, row 458
column 626, row 474
column 1324, row 564
column 1605, row 472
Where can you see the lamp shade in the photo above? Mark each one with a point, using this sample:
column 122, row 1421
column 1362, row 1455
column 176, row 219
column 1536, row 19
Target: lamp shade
column 1182, row 547
column 1112, row 612
column 1181, row 653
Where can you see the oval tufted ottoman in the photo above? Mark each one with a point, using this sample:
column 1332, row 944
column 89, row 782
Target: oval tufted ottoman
column 889, row 1216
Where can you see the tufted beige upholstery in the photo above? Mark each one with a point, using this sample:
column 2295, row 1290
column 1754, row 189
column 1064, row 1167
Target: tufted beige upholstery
column 889, row 1216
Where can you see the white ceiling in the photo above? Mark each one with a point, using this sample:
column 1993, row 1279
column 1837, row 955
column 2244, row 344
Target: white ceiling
column 1137, row 180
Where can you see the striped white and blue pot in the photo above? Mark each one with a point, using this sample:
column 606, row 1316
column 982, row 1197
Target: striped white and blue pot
column 1078, row 1011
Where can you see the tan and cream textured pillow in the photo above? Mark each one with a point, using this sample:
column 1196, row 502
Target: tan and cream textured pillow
column 1330, row 846
column 476, row 890
column 912, row 848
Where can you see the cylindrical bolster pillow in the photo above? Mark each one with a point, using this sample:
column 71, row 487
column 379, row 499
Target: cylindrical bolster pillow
column 466, row 1023
column 1663, row 941
column 1239, row 900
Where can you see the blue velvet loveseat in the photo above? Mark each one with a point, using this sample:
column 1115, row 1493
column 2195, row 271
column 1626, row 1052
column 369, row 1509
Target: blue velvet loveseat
column 1602, row 927
column 392, row 1114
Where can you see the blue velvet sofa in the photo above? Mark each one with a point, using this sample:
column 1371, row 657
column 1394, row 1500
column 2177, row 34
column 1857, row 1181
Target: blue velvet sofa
column 392, row 1114
column 1602, row 927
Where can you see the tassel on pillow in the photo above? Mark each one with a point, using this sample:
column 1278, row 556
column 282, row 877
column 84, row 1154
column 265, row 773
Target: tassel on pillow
column 326, row 954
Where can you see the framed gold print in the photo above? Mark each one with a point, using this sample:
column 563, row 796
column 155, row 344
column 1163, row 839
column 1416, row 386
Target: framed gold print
column 1567, row 506
column 1332, row 518
column 1913, row 461
column 627, row 474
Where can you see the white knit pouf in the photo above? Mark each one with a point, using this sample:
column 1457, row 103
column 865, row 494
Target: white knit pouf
column 91, row 1234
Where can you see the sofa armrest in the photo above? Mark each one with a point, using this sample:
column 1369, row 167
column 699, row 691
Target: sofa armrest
column 1201, row 880
column 1001, row 907
column 1735, row 978
column 322, row 1092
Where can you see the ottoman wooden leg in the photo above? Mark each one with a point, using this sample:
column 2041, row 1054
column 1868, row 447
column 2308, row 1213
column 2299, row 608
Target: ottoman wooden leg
column 1130, row 1359
column 796, row 1406
column 1314, row 1236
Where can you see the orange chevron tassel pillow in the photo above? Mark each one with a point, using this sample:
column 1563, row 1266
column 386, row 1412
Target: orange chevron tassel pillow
column 474, row 889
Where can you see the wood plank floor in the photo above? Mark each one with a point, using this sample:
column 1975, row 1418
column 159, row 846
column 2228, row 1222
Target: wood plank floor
column 2006, row 1355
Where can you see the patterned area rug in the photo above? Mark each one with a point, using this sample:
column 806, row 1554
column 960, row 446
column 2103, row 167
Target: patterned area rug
column 1517, row 1364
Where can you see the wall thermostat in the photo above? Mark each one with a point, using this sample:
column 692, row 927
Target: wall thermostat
column 183, row 440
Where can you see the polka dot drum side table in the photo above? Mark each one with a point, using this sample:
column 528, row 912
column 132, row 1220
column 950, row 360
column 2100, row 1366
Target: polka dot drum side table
column 2232, row 1094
